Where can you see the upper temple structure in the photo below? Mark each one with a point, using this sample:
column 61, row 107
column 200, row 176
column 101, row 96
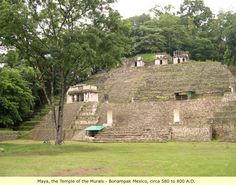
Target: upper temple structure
column 180, row 57
column 82, row 93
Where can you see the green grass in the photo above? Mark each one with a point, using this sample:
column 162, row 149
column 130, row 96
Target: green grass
column 7, row 131
column 30, row 158
column 148, row 57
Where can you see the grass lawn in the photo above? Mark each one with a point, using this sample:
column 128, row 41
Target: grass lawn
column 31, row 158
column 148, row 57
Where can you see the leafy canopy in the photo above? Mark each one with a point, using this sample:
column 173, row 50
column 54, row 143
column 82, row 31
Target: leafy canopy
column 16, row 100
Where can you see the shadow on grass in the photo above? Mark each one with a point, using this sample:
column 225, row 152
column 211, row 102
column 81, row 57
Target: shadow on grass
column 9, row 149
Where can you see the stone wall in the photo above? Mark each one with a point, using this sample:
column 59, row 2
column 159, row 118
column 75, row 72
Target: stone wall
column 228, row 97
column 8, row 136
column 183, row 133
column 193, row 124
column 192, row 112
column 225, row 132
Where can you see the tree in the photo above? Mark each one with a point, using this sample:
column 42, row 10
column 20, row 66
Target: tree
column 13, row 59
column 139, row 20
column 63, row 39
column 147, row 38
column 159, row 10
column 230, row 34
column 174, row 32
column 203, row 49
column 16, row 100
column 216, row 35
column 197, row 10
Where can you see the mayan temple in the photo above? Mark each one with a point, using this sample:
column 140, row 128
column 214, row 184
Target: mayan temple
column 169, row 100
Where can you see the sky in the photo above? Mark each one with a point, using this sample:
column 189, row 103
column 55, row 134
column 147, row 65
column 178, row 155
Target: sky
column 129, row 8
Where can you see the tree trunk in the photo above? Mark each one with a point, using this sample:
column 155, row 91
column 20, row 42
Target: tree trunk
column 53, row 107
column 45, row 93
column 59, row 129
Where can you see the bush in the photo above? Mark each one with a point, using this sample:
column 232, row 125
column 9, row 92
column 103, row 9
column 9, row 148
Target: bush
column 16, row 100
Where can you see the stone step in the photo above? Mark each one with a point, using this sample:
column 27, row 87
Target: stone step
column 132, row 136
column 87, row 117
column 133, row 132
column 121, row 134
column 232, row 103
column 229, row 114
column 131, row 140
column 126, row 130
column 222, row 120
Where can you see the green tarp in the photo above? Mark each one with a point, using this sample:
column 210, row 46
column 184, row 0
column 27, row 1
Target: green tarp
column 95, row 128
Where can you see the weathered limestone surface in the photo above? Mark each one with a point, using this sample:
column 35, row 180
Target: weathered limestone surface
column 154, row 121
column 45, row 129
column 224, row 119
column 142, row 104
column 8, row 136
column 158, row 83
column 86, row 117
column 183, row 133
column 225, row 132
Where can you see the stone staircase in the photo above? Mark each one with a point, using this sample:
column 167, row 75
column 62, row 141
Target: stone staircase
column 87, row 117
column 129, row 134
column 161, row 82
column 224, row 120
column 134, row 122
column 77, row 116
column 120, row 84
column 158, row 83
column 45, row 129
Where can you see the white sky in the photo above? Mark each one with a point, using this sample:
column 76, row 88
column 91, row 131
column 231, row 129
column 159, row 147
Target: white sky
column 129, row 8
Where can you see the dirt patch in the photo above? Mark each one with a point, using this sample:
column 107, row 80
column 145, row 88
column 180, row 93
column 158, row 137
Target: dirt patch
column 82, row 172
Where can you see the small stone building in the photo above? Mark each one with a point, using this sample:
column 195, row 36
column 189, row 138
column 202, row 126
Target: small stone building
column 161, row 59
column 138, row 63
column 82, row 93
column 180, row 57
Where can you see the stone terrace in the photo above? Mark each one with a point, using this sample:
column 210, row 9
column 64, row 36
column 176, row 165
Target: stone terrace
column 158, row 83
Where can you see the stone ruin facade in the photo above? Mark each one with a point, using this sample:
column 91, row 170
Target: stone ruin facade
column 161, row 59
column 82, row 93
column 138, row 63
column 180, row 57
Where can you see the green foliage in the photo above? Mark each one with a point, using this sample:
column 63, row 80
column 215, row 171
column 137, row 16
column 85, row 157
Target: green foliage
column 198, row 11
column 65, row 41
column 16, row 100
column 203, row 50
column 193, row 28
column 158, row 10
column 146, row 38
column 230, row 33
column 148, row 57
column 174, row 33
column 139, row 20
